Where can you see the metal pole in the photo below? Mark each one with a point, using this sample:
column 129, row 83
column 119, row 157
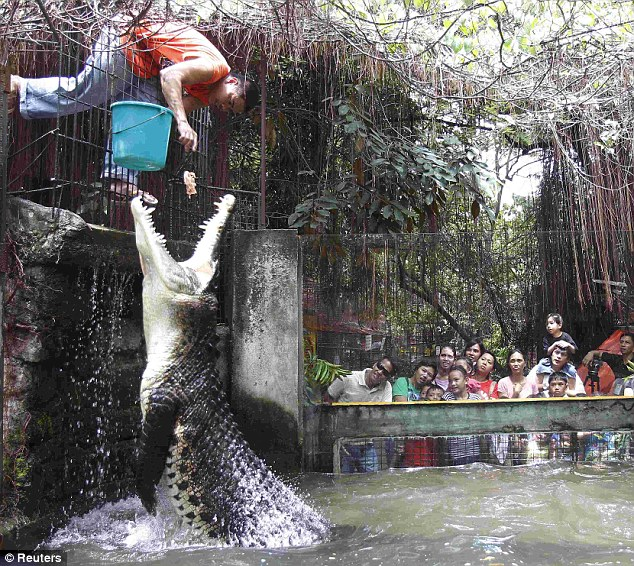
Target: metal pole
column 262, row 220
column 5, row 86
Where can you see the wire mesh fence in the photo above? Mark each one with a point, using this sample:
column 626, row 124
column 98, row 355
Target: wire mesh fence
column 354, row 455
column 407, row 294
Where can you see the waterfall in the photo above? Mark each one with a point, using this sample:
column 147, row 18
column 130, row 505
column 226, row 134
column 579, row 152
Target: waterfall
column 101, row 390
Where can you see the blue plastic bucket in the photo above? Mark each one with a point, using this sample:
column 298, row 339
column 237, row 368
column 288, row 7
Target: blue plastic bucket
column 140, row 132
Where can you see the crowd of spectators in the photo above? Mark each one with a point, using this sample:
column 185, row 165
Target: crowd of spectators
column 474, row 376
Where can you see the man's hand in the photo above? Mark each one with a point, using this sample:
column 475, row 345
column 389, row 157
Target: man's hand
column 187, row 136
column 588, row 357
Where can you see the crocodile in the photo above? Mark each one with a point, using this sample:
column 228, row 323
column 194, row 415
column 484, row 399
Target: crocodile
column 188, row 436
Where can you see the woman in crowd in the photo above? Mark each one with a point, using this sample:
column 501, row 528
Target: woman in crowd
column 482, row 374
column 474, row 349
column 513, row 448
column 445, row 361
column 516, row 385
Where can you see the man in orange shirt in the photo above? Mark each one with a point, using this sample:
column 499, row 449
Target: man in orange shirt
column 132, row 65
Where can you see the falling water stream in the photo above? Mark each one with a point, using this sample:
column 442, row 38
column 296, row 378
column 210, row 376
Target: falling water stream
column 95, row 394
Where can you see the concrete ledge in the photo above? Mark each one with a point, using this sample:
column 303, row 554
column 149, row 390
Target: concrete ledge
column 327, row 423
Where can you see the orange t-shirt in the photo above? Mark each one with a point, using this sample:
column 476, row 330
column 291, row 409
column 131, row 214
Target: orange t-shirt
column 149, row 45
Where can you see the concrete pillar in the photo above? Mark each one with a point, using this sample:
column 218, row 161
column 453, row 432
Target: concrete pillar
column 267, row 359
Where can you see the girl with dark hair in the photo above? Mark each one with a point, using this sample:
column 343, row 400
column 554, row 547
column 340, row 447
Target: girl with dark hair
column 458, row 386
column 473, row 349
column 482, row 374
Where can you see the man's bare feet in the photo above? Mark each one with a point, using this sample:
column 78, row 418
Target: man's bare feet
column 14, row 93
column 125, row 190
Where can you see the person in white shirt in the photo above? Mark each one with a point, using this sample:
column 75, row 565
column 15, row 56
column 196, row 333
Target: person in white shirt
column 559, row 357
column 370, row 384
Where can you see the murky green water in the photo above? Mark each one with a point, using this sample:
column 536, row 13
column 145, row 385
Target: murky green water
column 547, row 514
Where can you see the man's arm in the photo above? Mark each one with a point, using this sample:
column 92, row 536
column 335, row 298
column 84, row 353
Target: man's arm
column 191, row 103
column 173, row 78
column 591, row 354
column 334, row 391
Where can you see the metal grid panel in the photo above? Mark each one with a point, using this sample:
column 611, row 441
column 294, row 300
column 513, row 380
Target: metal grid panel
column 354, row 455
column 424, row 290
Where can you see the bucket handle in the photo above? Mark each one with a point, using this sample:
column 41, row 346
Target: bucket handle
column 140, row 123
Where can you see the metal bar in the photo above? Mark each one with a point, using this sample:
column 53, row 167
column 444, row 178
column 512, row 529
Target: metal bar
column 262, row 222
column 29, row 145
column 5, row 80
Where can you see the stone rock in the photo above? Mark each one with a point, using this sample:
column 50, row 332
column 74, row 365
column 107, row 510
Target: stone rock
column 40, row 230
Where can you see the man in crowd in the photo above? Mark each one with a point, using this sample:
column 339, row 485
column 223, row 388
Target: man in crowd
column 618, row 364
column 370, row 384
column 559, row 357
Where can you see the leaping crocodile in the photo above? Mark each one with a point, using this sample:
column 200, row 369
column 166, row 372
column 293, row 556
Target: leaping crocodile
column 216, row 482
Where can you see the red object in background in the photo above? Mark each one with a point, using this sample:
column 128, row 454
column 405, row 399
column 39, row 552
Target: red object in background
column 420, row 453
column 606, row 376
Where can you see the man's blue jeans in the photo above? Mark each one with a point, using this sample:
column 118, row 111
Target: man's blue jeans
column 106, row 76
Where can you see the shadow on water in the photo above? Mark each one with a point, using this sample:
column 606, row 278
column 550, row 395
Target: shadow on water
column 546, row 514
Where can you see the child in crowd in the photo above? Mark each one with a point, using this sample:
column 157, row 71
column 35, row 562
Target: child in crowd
column 557, row 384
column 461, row 449
column 473, row 385
column 423, row 391
column 554, row 325
column 434, row 393
column 457, row 388
column 556, row 337
column 465, row 362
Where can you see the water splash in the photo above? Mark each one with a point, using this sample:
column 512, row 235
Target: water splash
column 95, row 400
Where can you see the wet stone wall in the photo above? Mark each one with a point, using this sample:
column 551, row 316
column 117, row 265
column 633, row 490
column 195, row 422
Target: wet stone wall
column 74, row 354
